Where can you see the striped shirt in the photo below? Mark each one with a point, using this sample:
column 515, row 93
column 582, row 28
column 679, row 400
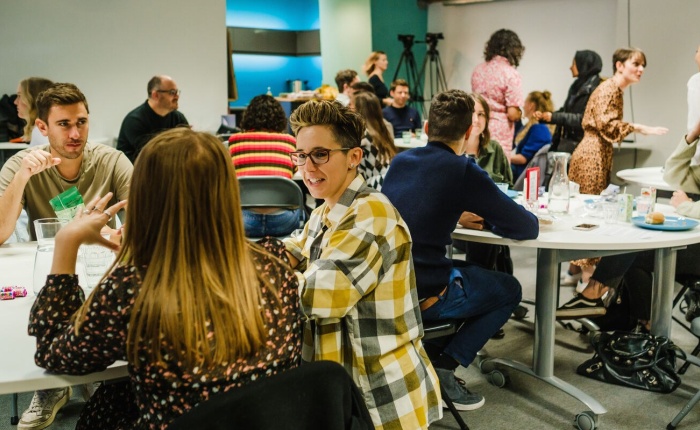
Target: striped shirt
column 359, row 288
column 259, row 153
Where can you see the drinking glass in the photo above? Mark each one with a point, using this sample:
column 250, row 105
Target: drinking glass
column 46, row 229
column 406, row 135
column 96, row 260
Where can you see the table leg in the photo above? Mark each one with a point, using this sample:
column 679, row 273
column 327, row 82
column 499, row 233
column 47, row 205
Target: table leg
column 662, row 292
column 547, row 291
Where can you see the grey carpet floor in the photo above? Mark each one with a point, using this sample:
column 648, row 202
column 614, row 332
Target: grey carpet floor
column 526, row 403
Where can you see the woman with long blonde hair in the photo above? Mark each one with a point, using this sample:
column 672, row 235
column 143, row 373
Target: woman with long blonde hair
column 27, row 92
column 377, row 144
column 375, row 66
column 191, row 304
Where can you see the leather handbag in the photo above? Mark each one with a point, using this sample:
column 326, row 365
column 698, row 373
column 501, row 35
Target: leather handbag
column 636, row 360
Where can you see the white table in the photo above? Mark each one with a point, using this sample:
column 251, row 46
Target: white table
column 558, row 243
column 415, row 143
column 7, row 146
column 646, row 177
column 18, row 373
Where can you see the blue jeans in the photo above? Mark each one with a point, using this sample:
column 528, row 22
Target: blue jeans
column 281, row 224
column 484, row 298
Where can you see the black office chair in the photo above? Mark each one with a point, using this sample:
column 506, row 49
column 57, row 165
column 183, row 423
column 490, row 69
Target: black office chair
column 271, row 191
column 444, row 329
column 318, row 395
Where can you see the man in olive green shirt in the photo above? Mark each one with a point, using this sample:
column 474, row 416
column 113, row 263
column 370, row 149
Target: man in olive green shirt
column 35, row 175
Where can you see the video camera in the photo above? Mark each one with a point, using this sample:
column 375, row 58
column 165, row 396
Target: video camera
column 407, row 40
column 432, row 39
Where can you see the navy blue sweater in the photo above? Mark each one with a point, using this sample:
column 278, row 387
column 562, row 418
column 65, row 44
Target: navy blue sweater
column 431, row 187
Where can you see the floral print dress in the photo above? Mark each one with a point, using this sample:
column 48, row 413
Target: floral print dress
column 156, row 393
column 500, row 84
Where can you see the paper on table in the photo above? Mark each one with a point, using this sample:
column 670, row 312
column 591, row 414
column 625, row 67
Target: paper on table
column 623, row 231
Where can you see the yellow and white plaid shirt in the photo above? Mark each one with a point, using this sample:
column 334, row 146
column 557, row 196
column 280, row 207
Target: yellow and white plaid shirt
column 360, row 290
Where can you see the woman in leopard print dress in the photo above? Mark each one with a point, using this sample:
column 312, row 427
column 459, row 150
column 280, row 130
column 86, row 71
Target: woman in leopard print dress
column 603, row 126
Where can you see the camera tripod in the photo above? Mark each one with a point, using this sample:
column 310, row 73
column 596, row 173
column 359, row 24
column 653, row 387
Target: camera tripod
column 411, row 73
column 435, row 79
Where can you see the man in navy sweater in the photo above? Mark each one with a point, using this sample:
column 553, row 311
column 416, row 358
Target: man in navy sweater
column 433, row 188
column 401, row 116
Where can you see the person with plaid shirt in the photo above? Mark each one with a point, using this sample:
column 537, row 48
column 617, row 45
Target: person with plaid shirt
column 357, row 282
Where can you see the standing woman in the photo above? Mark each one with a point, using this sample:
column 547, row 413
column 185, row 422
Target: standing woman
column 27, row 91
column 603, row 126
column 377, row 144
column 191, row 304
column 498, row 81
column 374, row 68
column 568, row 133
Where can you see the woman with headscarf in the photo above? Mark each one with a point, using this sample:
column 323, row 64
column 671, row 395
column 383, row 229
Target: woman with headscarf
column 568, row 133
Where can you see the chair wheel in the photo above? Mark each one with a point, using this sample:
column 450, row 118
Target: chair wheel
column 498, row 378
column 586, row 420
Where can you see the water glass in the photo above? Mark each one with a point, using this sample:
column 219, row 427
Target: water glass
column 610, row 212
column 643, row 205
column 46, row 229
column 96, row 260
column 503, row 186
column 406, row 136
column 418, row 133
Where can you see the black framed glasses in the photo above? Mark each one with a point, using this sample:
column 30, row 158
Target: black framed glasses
column 318, row 156
column 171, row 92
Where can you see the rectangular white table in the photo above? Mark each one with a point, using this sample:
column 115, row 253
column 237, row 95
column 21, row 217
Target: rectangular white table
column 559, row 243
column 7, row 148
column 18, row 373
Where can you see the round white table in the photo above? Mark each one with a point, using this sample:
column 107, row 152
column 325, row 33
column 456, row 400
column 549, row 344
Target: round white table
column 559, row 243
column 415, row 143
column 646, row 177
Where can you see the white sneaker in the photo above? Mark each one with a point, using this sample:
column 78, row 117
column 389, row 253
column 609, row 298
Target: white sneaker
column 42, row 411
column 569, row 280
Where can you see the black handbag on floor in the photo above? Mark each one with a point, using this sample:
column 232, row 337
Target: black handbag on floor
column 636, row 360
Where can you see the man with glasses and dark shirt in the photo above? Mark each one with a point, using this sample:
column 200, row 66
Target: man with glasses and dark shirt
column 158, row 113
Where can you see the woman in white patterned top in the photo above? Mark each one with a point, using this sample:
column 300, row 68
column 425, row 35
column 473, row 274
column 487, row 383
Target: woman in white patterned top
column 377, row 144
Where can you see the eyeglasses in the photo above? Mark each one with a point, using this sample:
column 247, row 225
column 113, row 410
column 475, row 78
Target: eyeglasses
column 171, row 92
column 318, row 156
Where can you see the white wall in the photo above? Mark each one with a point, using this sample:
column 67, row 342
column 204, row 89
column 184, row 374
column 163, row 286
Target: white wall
column 552, row 30
column 346, row 36
column 111, row 49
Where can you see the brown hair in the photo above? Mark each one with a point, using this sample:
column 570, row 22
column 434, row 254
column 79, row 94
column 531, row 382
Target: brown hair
column 399, row 83
column 450, row 116
column 186, row 238
column 58, row 95
column 505, row 43
column 624, row 54
column 370, row 108
column 344, row 77
column 347, row 126
column 485, row 136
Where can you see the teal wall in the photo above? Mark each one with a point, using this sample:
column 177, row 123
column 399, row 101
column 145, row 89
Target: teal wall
column 391, row 18
column 255, row 73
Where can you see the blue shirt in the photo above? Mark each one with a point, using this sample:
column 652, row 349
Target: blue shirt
column 403, row 119
column 537, row 136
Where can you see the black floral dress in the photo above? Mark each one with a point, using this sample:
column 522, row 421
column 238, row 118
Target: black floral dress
column 155, row 394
